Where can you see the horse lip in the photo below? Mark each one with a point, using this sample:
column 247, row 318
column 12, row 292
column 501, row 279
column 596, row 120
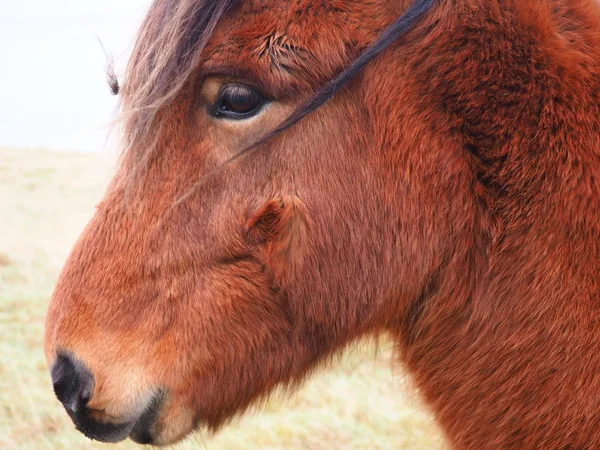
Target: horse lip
column 141, row 432
column 109, row 433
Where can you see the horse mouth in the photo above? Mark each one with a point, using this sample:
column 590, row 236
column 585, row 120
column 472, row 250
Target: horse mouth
column 109, row 433
column 139, row 431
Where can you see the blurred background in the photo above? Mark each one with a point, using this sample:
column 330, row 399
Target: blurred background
column 55, row 161
column 53, row 88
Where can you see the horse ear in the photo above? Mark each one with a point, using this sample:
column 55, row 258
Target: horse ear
column 280, row 226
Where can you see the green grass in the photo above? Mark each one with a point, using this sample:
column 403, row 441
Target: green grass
column 363, row 401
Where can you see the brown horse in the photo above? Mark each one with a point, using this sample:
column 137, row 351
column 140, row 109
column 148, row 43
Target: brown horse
column 448, row 194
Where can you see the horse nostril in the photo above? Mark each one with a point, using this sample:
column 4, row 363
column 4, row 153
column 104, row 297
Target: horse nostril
column 73, row 383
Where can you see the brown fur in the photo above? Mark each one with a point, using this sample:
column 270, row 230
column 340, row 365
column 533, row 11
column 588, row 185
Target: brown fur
column 449, row 196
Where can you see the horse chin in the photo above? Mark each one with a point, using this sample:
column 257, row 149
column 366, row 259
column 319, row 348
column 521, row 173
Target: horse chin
column 169, row 425
column 142, row 430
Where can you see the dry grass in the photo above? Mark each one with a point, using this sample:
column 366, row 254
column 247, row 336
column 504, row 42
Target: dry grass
column 45, row 200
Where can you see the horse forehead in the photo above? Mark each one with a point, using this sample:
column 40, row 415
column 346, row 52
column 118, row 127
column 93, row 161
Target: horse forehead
column 297, row 7
column 307, row 21
column 298, row 19
column 277, row 44
column 317, row 29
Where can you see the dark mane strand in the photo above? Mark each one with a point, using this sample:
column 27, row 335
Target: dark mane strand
column 112, row 80
column 111, row 76
column 398, row 28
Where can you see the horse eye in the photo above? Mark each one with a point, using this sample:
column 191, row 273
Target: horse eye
column 238, row 101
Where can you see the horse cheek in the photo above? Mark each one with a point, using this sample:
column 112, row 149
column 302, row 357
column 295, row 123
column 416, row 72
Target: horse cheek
column 281, row 228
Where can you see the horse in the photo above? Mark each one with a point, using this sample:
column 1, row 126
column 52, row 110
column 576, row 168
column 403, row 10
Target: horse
column 298, row 175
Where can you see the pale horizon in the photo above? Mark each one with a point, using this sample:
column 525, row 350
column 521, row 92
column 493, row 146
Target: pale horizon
column 54, row 92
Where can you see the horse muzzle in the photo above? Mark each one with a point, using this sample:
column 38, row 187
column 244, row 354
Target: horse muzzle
column 74, row 384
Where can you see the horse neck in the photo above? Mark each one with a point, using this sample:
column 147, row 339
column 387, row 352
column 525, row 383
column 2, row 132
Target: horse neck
column 524, row 95
column 518, row 80
column 504, row 344
column 517, row 84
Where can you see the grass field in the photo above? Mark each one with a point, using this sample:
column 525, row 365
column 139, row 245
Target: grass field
column 361, row 402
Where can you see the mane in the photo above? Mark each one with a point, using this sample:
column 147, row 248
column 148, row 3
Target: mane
column 168, row 50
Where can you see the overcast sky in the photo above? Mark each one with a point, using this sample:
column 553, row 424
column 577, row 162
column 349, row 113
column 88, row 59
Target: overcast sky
column 52, row 82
